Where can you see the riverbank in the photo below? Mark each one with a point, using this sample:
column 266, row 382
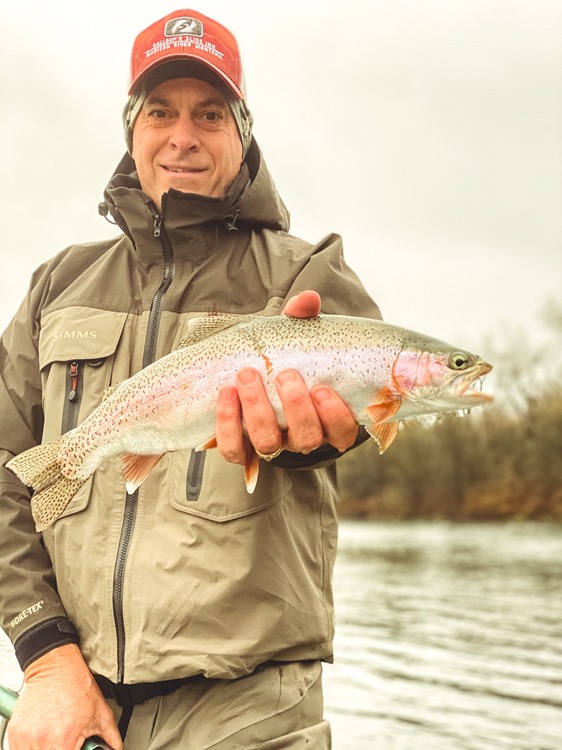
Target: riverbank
column 490, row 466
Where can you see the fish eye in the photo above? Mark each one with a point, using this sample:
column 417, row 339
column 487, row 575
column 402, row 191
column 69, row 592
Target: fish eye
column 459, row 361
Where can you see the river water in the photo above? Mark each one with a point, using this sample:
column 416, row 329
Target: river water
column 449, row 637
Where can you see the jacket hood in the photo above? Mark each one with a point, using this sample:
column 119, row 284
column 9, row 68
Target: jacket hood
column 253, row 199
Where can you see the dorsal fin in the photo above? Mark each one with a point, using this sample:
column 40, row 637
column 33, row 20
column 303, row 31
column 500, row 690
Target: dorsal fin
column 200, row 328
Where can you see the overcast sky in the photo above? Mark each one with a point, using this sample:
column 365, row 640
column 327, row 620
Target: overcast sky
column 427, row 132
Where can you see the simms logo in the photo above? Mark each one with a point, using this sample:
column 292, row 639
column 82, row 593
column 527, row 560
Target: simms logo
column 26, row 612
column 59, row 335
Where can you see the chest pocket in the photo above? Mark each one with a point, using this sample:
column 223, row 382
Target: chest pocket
column 76, row 354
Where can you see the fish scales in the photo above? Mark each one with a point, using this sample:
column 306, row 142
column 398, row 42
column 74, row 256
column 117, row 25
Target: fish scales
column 385, row 373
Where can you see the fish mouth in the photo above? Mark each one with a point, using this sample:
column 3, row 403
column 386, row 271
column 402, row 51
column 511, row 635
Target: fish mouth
column 475, row 393
column 470, row 384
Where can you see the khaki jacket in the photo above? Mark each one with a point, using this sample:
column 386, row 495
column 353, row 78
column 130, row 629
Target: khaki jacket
column 191, row 574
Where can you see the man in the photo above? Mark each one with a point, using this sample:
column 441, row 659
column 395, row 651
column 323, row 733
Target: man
column 192, row 613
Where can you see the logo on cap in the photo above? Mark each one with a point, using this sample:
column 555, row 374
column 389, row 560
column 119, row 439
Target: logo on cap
column 185, row 25
column 177, row 37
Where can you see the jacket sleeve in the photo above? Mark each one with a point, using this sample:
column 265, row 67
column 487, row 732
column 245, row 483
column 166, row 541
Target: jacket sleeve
column 342, row 293
column 31, row 612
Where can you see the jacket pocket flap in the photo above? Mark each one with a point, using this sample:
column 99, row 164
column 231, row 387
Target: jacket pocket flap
column 79, row 333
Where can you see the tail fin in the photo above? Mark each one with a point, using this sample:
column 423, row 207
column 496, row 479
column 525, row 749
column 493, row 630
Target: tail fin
column 48, row 504
column 38, row 468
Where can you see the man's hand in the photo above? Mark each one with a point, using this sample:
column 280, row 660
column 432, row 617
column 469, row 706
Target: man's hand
column 313, row 417
column 60, row 705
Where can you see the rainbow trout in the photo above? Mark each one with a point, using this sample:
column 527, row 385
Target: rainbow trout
column 384, row 372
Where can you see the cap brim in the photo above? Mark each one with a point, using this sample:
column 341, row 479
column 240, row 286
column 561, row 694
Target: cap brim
column 188, row 58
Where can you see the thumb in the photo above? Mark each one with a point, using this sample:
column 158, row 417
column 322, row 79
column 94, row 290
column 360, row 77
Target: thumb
column 303, row 305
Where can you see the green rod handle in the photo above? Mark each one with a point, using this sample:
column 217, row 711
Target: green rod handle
column 8, row 700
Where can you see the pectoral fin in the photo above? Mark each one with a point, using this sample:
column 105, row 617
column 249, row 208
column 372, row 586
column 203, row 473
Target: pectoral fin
column 386, row 407
column 136, row 469
column 251, row 466
column 208, row 444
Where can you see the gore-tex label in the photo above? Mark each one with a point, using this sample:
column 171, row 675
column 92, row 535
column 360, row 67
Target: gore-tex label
column 26, row 612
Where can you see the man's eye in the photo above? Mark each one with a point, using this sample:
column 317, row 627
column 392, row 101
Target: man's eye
column 212, row 116
column 158, row 114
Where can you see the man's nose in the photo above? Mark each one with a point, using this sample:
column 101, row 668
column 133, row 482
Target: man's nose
column 184, row 134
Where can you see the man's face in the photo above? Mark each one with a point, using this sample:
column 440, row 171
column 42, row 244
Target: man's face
column 185, row 137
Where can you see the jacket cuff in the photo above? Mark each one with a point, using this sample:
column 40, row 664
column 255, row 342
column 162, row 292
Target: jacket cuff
column 58, row 631
column 323, row 455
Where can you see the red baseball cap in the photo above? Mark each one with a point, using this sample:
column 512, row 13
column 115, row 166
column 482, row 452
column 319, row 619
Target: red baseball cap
column 187, row 35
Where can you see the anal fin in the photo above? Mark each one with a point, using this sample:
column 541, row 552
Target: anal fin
column 137, row 468
column 384, row 433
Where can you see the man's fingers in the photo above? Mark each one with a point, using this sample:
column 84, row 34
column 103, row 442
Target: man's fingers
column 312, row 417
column 305, row 431
column 246, row 409
column 60, row 680
column 337, row 420
column 230, row 439
column 303, row 305
column 259, row 418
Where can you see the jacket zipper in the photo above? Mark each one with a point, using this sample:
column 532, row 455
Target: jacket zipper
column 156, row 307
column 195, row 475
column 73, row 392
column 129, row 516
column 131, row 501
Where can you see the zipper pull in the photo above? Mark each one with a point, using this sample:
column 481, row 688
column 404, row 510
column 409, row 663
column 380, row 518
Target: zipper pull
column 157, row 219
column 74, row 381
column 231, row 223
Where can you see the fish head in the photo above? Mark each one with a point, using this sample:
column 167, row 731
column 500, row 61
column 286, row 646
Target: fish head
column 440, row 380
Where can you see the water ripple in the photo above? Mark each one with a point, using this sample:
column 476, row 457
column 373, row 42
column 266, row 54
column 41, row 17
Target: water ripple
column 448, row 638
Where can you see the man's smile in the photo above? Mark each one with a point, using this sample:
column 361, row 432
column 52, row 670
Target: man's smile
column 182, row 170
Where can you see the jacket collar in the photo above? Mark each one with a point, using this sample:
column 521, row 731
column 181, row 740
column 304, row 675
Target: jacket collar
column 253, row 199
